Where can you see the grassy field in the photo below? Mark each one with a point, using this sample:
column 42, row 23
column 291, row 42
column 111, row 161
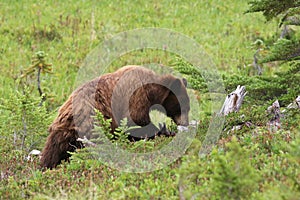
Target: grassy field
column 68, row 31
column 252, row 163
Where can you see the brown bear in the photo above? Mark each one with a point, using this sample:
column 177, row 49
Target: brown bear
column 130, row 92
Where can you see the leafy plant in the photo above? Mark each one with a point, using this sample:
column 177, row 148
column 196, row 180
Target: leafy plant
column 23, row 122
column 225, row 174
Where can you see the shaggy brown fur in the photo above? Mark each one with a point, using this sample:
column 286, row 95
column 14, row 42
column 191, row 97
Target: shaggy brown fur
column 130, row 92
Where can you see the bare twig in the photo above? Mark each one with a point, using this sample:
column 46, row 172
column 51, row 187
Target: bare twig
column 24, row 131
column 39, row 82
column 255, row 62
column 15, row 137
column 39, row 87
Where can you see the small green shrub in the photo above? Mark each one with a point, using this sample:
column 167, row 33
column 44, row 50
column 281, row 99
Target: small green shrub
column 265, row 89
column 23, row 122
column 225, row 174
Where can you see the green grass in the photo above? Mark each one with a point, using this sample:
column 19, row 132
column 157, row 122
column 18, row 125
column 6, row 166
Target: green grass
column 64, row 31
column 248, row 164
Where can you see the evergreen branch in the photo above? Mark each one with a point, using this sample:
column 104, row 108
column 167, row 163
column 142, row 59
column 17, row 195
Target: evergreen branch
column 272, row 8
column 283, row 50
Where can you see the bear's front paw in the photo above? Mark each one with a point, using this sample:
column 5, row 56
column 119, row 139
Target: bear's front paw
column 164, row 131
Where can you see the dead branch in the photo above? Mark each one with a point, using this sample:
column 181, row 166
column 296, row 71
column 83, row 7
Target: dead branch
column 295, row 104
column 297, row 101
column 39, row 87
column 255, row 62
column 32, row 153
column 234, row 100
column 86, row 142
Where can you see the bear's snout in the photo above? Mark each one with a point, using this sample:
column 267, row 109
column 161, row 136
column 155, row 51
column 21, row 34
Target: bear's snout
column 182, row 120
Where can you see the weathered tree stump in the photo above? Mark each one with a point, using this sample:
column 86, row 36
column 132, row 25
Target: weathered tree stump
column 234, row 100
column 274, row 111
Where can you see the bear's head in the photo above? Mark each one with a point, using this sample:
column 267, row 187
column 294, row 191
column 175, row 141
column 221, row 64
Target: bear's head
column 177, row 102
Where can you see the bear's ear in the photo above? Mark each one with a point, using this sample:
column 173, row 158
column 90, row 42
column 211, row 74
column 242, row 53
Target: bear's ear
column 176, row 84
column 173, row 83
